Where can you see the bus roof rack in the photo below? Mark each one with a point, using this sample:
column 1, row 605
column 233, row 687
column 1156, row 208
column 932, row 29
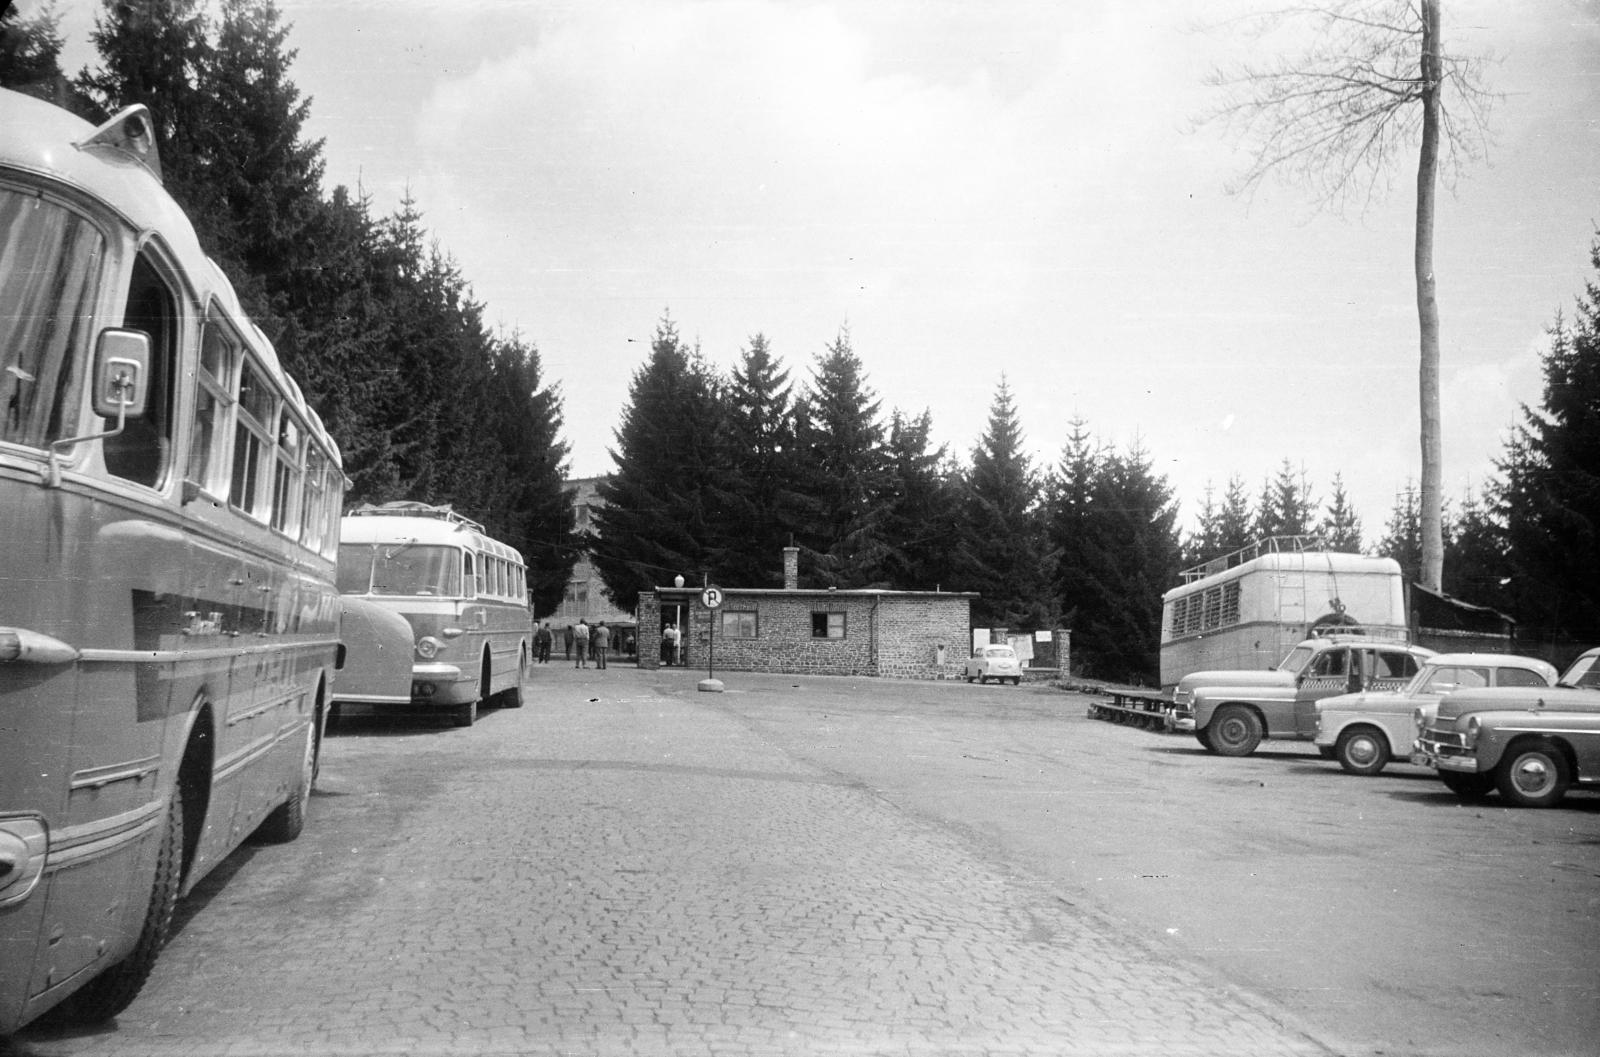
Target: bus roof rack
column 1266, row 545
column 414, row 508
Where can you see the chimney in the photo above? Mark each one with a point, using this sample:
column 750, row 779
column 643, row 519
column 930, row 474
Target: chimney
column 791, row 568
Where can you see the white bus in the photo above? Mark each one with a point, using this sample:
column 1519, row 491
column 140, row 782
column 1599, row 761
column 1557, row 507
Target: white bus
column 169, row 506
column 1248, row 609
column 464, row 593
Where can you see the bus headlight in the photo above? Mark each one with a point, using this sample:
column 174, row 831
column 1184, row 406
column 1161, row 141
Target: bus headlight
column 23, row 843
column 428, row 647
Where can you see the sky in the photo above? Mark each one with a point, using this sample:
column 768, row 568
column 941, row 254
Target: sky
column 1017, row 189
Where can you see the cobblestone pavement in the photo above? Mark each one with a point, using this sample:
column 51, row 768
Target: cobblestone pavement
column 616, row 870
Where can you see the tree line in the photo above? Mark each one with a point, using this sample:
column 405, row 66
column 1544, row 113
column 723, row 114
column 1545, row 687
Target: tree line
column 717, row 471
column 373, row 320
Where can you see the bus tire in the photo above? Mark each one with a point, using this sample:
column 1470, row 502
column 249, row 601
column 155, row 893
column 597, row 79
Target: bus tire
column 1235, row 730
column 115, row 989
column 512, row 698
column 289, row 817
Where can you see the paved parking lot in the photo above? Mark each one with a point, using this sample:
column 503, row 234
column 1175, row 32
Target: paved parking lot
column 627, row 866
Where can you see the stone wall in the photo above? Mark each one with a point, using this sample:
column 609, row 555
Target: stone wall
column 894, row 634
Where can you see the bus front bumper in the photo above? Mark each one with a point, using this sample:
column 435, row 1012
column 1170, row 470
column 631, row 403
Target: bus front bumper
column 442, row 684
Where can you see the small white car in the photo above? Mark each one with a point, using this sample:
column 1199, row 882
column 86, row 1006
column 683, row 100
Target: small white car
column 1365, row 731
column 994, row 662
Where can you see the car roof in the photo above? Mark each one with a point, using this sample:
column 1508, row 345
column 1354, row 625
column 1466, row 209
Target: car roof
column 1492, row 660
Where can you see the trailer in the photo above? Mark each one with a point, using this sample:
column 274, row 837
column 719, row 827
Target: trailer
column 1134, row 708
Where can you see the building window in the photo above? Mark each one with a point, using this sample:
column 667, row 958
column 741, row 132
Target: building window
column 827, row 625
column 738, row 625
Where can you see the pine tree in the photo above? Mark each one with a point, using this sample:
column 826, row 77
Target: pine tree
column 30, row 57
column 1550, row 498
column 1284, row 508
column 1202, row 545
column 1402, row 538
column 765, row 511
column 846, row 471
column 1235, row 523
column 656, row 521
column 1477, row 569
column 920, row 525
column 1340, row 528
column 1002, row 554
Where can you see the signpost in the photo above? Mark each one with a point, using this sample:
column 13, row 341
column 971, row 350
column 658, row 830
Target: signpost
column 711, row 598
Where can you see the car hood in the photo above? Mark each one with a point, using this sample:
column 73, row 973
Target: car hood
column 1244, row 677
column 1519, row 698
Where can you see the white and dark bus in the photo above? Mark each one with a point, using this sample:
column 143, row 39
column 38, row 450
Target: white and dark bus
column 464, row 593
column 1249, row 608
column 169, row 506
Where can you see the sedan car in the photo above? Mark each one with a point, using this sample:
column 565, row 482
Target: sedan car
column 1365, row 731
column 994, row 662
column 1530, row 744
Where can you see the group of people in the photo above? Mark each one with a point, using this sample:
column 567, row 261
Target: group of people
column 593, row 644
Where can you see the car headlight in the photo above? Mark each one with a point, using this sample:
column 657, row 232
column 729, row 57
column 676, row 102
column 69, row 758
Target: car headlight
column 1472, row 732
column 1419, row 719
column 428, row 647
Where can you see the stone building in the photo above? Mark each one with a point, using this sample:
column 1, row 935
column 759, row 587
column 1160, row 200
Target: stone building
column 898, row 634
column 585, row 596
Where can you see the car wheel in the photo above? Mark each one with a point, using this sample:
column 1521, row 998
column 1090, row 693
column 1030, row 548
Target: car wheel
column 1204, row 738
column 983, row 680
column 1017, row 681
column 1235, row 730
column 1362, row 750
column 969, row 678
column 1533, row 774
column 1467, row 786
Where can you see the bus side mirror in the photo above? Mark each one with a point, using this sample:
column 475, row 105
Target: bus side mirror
column 121, row 373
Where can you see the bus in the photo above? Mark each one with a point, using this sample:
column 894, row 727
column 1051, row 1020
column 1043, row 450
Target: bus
column 1248, row 609
column 464, row 593
column 169, row 506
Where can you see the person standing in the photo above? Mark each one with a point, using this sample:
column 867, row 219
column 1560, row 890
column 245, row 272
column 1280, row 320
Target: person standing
column 600, row 639
column 542, row 642
column 567, row 637
column 580, row 639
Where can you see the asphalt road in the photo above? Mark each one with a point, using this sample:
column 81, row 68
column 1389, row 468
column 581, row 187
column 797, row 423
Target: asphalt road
column 816, row 865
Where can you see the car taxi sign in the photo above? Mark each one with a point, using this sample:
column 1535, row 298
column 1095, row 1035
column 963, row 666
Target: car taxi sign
column 711, row 597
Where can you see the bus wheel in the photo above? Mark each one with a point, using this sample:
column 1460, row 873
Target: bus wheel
column 1235, row 731
column 115, row 989
column 289, row 817
column 467, row 714
column 512, row 698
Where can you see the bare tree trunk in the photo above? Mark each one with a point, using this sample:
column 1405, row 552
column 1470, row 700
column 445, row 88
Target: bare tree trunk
column 1432, row 572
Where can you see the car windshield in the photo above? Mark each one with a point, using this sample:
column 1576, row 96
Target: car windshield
column 1584, row 672
column 1443, row 678
column 1297, row 660
column 999, row 651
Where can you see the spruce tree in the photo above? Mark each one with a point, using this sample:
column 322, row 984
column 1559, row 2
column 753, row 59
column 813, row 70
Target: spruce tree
column 1402, row 538
column 656, row 521
column 1550, row 498
column 1002, row 542
column 920, row 526
column 1235, row 523
column 1340, row 528
column 758, row 480
column 845, row 472
column 1477, row 569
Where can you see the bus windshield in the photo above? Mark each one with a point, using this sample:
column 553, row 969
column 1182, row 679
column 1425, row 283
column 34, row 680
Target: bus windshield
column 48, row 278
column 399, row 569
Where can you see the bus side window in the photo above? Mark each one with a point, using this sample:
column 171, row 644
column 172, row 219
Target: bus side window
column 219, row 357
column 469, row 580
column 139, row 452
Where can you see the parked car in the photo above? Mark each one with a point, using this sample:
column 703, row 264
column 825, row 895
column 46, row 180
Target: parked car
column 1530, row 743
column 994, row 662
column 1366, row 730
column 1230, row 712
